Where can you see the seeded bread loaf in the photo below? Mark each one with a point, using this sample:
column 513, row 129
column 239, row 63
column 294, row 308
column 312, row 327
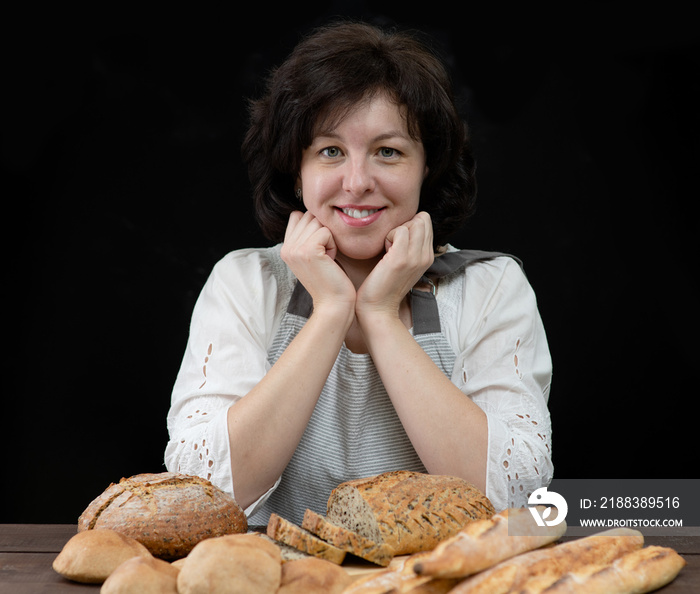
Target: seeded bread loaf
column 348, row 541
column 409, row 511
column 287, row 552
column 295, row 536
column 168, row 513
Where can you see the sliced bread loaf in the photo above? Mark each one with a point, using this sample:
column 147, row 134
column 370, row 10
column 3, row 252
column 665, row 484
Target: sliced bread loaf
column 409, row 511
column 295, row 536
column 287, row 552
column 351, row 542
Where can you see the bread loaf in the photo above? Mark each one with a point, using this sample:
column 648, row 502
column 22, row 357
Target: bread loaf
column 643, row 570
column 313, row 576
column 536, row 570
column 348, row 541
column 397, row 578
column 484, row 543
column 409, row 511
column 241, row 563
column 142, row 575
column 295, row 536
column 90, row 557
column 168, row 512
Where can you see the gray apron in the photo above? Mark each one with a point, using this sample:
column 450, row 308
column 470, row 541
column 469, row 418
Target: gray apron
column 354, row 430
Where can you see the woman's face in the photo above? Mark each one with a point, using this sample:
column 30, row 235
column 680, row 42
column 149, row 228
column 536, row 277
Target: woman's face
column 363, row 177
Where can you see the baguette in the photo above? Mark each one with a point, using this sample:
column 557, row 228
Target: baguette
column 295, row 536
column 409, row 511
column 348, row 541
column 169, row 513
column 639, row 571
column 536, row 570
column 399, row 575
column 484, row 543
column 432, row 586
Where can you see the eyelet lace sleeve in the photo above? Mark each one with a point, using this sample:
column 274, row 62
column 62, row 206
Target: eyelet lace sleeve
column 506, row 369
column 225, row 357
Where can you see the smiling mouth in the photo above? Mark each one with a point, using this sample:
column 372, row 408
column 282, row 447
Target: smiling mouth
column 356, row 213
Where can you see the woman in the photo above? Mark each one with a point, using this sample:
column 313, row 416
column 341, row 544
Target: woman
column 361, row 343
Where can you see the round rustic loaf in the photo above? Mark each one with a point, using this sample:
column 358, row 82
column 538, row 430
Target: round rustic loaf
column 313, row 576
column 90, row 557
column 240, row 563
column 142, row 575
column 169, row 513
column 409, row 511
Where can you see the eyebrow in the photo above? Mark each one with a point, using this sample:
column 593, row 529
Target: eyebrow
column 384, row 136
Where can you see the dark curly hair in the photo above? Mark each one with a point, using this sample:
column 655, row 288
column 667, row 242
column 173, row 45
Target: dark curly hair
column 328, row 73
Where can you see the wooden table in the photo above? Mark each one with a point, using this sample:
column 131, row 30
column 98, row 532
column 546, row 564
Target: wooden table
column 28, row 550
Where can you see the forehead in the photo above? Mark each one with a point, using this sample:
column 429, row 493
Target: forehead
column 377, row 110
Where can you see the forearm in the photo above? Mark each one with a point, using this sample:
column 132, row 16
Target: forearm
column 266, row 425
column 448, row 431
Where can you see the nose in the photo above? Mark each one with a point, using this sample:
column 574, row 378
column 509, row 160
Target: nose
column 358, row 178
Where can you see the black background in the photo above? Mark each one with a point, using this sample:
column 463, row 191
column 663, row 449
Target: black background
column 123, row 186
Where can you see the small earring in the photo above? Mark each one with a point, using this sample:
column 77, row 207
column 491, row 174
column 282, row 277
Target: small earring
column 298, row 194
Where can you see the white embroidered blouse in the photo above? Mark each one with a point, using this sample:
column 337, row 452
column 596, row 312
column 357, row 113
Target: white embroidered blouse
column 489, row 316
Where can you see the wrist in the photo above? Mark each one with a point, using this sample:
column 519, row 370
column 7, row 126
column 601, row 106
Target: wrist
column 335, row 314
column 380, row 321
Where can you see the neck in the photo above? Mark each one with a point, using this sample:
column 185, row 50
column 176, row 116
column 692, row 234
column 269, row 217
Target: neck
column 357, row 270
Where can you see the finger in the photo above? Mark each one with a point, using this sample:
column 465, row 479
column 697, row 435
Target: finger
column 292, row 223
column 398, row 237
column 423, row 222
column 304, row 226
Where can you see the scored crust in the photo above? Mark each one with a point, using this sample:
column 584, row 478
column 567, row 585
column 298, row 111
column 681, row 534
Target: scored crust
column 167, row 512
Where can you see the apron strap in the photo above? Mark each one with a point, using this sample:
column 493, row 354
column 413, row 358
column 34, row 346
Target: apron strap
column 426, row 318
column 424, row 309
column 300, row 304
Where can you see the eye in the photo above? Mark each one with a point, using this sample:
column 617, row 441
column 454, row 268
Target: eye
column 388, row 152
column 331, row 152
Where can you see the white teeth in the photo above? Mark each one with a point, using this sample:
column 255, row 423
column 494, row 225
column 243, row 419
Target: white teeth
column 358, row 214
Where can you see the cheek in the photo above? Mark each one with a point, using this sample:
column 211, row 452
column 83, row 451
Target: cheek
column 317, row 188
column 409, row 187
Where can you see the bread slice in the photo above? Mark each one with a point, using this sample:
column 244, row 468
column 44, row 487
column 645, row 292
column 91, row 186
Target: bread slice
column 348, row 541
column 287, row 552
column 409, row 511
column 295, row 536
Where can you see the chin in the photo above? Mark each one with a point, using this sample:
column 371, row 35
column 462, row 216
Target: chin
column 362, row 251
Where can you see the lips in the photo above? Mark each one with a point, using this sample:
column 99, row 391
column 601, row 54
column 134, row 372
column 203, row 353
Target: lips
column 359, row 216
